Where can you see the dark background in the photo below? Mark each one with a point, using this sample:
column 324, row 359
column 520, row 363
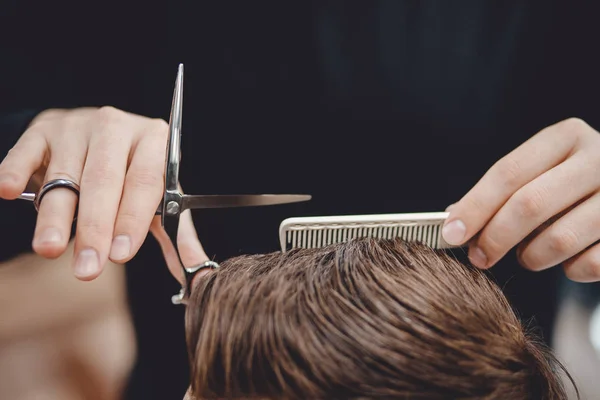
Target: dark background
column 371, row 107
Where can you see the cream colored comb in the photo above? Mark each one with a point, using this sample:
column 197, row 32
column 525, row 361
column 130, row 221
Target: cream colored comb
column 312, row 232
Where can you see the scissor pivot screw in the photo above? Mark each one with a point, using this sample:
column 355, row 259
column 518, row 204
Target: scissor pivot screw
column 172, row 208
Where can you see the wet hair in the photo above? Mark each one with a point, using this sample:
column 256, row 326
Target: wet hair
column 364, row 319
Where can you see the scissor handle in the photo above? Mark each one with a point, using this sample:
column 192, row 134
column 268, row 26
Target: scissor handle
column 36, row 198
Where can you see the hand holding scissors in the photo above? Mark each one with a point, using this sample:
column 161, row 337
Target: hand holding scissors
column 112, row 163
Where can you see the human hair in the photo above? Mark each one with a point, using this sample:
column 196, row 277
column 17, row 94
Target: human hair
column 364, row 319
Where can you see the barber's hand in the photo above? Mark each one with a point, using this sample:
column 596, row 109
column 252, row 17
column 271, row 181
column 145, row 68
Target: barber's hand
column 117, row 158
column 544, row 197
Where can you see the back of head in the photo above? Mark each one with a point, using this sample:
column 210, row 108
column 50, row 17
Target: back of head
column 363, row 319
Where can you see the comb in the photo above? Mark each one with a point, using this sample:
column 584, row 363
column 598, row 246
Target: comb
column 313, row 232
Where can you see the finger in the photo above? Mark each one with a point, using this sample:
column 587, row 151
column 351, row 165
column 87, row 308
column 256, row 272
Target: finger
column 565, row 238
column 530, row 207
column 584, row 267
column 57, row 208
column 101, row 189
column 540, row 153
column 142, row 194
column 21, row 162
column 189, row 245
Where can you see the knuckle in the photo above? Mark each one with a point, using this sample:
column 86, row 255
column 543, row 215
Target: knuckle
column 159, row 125
column 573, row 125
column 128, row 219
column 145, row 178
column 509, row 170
column 562, row 240
column 473, row 203
column 93, row 229
column 108, row 115
column 530, row 204
column 100, row 175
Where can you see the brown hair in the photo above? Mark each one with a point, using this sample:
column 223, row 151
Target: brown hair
column 363, row 319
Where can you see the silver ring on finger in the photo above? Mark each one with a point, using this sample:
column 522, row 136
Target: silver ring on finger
column 55, row 184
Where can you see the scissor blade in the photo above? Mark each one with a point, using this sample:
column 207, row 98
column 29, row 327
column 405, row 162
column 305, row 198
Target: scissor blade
column 240, row 200
column 174, row 142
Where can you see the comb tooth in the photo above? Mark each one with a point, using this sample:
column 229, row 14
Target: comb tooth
column 293, row 241
column 430, row 235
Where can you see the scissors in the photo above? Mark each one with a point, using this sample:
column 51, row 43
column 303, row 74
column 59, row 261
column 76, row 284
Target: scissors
column 174, row 202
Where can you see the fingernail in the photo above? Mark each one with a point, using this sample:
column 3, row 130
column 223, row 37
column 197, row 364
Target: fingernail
column 478, row 258
column 454, row 232
column 121, row 247
column 87, row 263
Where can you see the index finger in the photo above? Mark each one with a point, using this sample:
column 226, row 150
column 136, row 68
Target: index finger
column 543, row 151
